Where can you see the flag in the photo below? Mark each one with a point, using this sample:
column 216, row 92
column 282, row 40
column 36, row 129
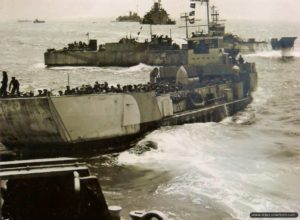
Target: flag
column 193, row 5
column 192, row 20
column 192, row 13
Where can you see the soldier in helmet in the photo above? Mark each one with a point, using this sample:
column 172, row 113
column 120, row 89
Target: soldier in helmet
column 14, row 86
column 3, row 89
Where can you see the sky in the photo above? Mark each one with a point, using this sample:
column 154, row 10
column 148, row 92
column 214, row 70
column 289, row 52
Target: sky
column 285, row 10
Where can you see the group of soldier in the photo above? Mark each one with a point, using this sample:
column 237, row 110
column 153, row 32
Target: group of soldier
column 77, row 46
column 13, row 86
column 159, row 88
column 97, row 88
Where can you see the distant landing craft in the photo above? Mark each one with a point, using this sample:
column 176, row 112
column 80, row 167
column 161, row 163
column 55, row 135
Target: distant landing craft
column 23, row 20
column 132, row 17
column 285, row 44
column 38, row 21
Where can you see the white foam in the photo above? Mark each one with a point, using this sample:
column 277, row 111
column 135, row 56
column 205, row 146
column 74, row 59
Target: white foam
column 272, row 54
column 210, row 162
column 74, row 68
column 39, row 66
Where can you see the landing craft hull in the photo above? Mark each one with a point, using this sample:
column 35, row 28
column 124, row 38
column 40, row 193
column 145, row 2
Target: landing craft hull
column 45, row 126
column 114, row 58
column 131, row 58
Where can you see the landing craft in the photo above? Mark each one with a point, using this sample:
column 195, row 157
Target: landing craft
column 212, row 86
column 36, row 21
column 158, row 51
column 285, row 44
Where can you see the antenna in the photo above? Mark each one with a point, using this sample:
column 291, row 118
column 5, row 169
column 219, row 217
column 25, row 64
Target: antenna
column 68, row 79
column 159, row 3
column 150, row 30
column 207, row 9
column 185, row 17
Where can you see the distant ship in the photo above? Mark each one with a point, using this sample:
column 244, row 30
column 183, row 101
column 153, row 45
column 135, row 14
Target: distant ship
column 157, row 15
column 285, row 44
column 216, row 27
column 132, row 17
column 38, row 21
column 23, row 21
column 160, row 50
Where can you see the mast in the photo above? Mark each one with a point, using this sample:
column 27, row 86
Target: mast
column 159, row 3
column 215, row 14
column 207, row 9
column 185, row 16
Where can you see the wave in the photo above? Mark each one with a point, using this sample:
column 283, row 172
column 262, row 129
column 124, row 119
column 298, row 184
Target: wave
column 213, row 160
column 39, row 66
column 74, row 68
column 138, row 67
column 271, row 54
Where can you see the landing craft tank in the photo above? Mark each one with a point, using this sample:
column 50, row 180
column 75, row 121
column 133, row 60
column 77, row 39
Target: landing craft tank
column 285, row 44
column 216, row 27
column 160, row 50
column 132, row 17
column 210, row 86
column 38, row 21
column 127, row 52
column 157, row 15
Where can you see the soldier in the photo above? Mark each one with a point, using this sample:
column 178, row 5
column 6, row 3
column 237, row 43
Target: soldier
column 68, row 90
column 45, row 92
column 3, row 89
column 14, row 86
column 241, row 60
column 119, row 89
column 154, row 74
column 40, row 93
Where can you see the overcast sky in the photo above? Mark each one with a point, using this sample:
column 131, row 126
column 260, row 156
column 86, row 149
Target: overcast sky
column 288, row 10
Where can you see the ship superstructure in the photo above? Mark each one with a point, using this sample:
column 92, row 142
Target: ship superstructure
column 157, row 15
column 132, row 17
column 216, row 27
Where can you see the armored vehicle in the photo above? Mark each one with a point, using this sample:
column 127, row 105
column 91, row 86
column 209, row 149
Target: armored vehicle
column 157, row 15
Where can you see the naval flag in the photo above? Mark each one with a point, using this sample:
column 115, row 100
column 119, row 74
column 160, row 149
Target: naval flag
column 192, row 13
column 192, row 20
column 193, row 5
